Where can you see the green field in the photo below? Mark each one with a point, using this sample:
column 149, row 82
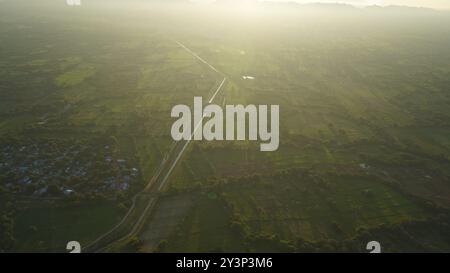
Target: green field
column 47, row 227
column 364, row 125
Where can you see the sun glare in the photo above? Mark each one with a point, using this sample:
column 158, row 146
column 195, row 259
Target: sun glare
column 247, row 6
column 375, row 2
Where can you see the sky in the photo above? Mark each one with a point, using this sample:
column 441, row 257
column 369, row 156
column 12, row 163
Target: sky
column 437, row 4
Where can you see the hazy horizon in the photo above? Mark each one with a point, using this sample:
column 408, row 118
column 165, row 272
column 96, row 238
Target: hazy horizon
column 435, row 4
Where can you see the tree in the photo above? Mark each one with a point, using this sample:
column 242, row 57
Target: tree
column 54, row 190
column 6, row 233
column 162, row 246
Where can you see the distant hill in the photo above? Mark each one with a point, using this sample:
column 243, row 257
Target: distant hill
column 285, row 4
column 401, row 8
column 326, row 6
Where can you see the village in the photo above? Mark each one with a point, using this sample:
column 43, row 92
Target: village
column 57, row 169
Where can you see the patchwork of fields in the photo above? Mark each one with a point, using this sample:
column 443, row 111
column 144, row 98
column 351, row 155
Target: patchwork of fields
column 364, row 127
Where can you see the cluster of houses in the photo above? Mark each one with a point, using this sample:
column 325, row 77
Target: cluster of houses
column 49, row 168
